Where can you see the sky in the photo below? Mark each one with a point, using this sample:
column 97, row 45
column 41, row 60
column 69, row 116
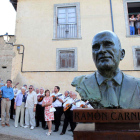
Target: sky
column 7, row 18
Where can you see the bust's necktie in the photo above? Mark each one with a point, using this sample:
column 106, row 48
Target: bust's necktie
column 109, row 98
column 111, row 95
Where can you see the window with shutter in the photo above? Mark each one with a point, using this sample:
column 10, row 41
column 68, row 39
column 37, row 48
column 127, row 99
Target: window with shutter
column 138, row 57
column 66, row 59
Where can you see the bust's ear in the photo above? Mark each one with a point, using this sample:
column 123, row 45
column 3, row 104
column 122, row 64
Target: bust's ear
column 122, row 54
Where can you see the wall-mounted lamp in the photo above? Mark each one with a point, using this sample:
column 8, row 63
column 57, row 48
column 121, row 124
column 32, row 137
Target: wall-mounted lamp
column 6, row 38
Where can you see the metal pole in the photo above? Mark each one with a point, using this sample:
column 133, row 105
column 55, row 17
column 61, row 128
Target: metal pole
column 111, row 16
column 21, row 53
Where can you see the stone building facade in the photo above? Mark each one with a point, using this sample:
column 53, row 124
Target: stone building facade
column 6, row 57
column 57, row 36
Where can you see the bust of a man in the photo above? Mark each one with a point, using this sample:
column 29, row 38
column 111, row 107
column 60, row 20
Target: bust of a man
column 108, row 87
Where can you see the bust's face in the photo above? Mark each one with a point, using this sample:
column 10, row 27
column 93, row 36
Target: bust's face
column 106, row 51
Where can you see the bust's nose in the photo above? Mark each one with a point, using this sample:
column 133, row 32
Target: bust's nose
column 102, row 49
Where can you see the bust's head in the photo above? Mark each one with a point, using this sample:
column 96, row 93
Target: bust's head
column 107, row 52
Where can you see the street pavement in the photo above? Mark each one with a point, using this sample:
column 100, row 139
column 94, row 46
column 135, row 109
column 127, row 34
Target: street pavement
column 37, row 134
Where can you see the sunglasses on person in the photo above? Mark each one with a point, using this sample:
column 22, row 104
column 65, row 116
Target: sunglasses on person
column 30, row 88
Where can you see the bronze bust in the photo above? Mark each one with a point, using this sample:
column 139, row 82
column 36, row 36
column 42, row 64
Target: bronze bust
column 108, row 87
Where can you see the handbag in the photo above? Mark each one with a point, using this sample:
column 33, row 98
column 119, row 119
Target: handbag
column 52, row 109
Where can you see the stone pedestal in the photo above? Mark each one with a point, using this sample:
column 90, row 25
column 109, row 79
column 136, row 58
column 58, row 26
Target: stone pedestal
column 108, row 124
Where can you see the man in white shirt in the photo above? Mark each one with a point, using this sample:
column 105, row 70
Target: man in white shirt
column 69, row 113
column 37, row 91
column 31, row 102
column 66, row 113
column 66, row 97
column 15, row 89
column 86, row 104
column 40, row 110
column 58, row 106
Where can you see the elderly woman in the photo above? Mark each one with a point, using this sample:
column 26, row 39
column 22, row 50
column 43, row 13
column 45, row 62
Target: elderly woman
column 20, row 106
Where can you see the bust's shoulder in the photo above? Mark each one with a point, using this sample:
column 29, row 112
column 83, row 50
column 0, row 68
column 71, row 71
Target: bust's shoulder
column 79, row 79
column 131, row 78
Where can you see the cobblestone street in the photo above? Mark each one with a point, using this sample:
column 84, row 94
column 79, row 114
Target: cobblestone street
column 12, row 133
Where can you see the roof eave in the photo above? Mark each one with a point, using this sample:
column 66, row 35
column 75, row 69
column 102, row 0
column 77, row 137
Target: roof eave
column 14, row 3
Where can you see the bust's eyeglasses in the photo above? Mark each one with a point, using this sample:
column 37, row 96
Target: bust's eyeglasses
column 30, row 88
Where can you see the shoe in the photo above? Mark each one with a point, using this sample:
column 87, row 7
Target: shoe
column 32, row 127
column 21, row 126
column 26, row 126
column 62, row 133
column 16, row 126
column 11, row 118
column 69, row 130
column 37, row 125
column 7, row 124
column 0, row 119
column 49, row 133
column 55, row 130
column 46, row 127
column 3, row 125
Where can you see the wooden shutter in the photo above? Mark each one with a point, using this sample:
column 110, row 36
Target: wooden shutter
column 67, row 59
column 138, row 57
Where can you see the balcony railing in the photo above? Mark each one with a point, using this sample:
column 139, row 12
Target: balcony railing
column 67, row 31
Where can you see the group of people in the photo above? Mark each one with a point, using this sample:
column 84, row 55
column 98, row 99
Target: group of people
column 33, row 106
column 134, row 23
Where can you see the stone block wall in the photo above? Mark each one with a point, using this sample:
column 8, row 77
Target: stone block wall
column 6, row 56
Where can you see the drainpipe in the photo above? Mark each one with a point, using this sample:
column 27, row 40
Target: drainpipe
column 111, row 15
column 21, row 53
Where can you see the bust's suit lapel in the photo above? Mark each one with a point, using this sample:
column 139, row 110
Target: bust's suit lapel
column 127, row 91
column 92, row 88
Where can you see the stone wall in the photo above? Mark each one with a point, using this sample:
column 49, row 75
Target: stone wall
column 6, row 56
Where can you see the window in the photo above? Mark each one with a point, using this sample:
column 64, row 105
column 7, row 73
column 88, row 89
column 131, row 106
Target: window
column 136, row 57
column 67, row 23
column 132, row 17
column 66, row 59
